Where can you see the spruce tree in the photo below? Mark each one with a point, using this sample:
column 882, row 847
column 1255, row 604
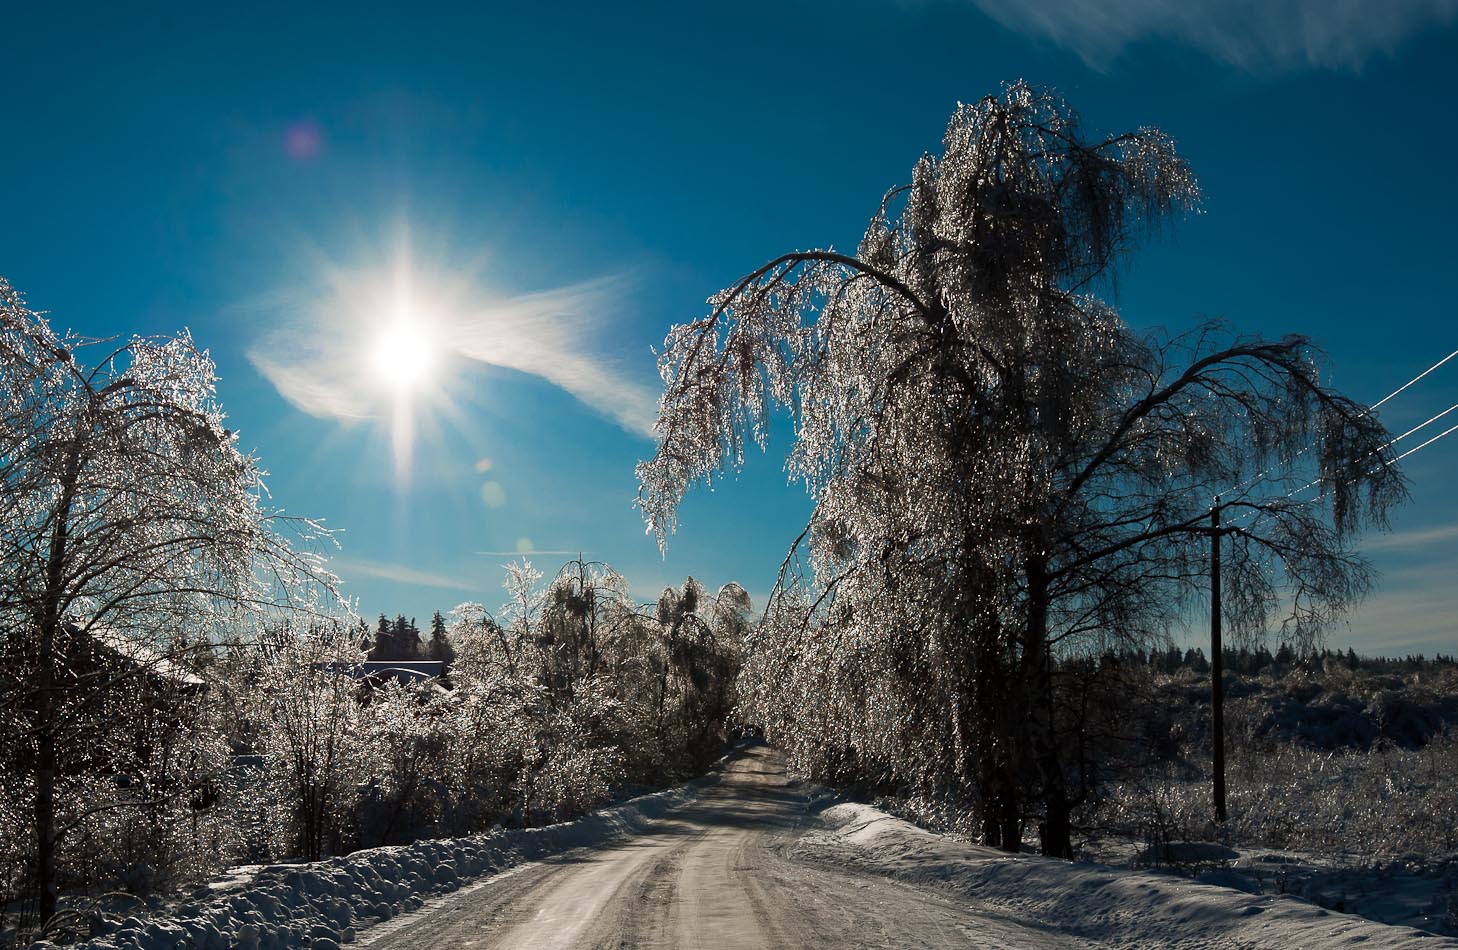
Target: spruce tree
column 440, row 644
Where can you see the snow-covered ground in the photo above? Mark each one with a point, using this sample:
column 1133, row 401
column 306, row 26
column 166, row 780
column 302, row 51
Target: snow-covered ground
column 1094, row 902
column 1418, row 891
column 813, row 841
column 327, row 903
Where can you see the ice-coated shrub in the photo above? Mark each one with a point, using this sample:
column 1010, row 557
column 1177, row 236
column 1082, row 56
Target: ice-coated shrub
column 302, row 718
column 285, row 753
column 407, row 733
column 1380, row 804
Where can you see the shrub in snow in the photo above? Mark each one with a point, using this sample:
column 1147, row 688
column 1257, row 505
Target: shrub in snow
column 1381, row 804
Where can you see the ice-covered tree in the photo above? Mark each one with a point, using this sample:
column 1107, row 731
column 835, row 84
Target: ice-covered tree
column 692, row 660
column 590, row 687
column 128, row 515
column 305, row 721
column 1002, row 469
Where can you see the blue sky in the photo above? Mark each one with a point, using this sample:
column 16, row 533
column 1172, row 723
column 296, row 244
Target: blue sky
column 265, row 178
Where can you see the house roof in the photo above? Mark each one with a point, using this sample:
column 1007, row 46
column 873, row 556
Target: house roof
column 402, row 671
column 139, row 653
column 406, row 671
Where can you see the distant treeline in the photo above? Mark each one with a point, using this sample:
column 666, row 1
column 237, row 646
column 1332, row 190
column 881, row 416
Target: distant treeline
column 400, row 639
column 1253, row 662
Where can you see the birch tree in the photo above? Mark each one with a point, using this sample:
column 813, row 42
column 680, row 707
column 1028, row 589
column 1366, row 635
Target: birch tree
column 127, row 511
column 1001, row 468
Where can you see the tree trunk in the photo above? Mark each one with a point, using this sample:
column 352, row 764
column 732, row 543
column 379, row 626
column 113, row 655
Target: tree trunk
column 51, row 618
column 1056, row 831
column 996, row 749
column 991, row 828
column 1001, row 816
column 1011, row 821
column 45, row 795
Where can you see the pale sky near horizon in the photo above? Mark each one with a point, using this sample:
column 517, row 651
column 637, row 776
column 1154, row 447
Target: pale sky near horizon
column 550, row 190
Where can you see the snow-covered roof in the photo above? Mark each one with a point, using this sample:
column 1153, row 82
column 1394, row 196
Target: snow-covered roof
column 138, row 652
column 403, row 671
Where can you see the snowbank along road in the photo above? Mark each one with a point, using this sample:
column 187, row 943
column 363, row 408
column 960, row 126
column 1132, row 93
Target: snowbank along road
column 723, row 871
column 748, row 863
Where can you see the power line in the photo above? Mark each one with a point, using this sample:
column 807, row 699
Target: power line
column 1425, row 444
column 1415, row 379
column 1421, row 425
column 1417, row 448
column 1262, row 474
column 1393, row 442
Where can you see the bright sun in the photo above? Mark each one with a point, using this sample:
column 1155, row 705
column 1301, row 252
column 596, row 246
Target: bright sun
column 403, row 354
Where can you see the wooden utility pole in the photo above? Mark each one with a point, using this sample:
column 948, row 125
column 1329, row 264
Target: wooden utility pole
column 1217, row 665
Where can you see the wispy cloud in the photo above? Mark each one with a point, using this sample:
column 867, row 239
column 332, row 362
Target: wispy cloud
column 554, row 334
column 533, row 551
column 316, row 355
column 1259, row 36
column 399, row 573
column 1409, row 540
column 1413, row 611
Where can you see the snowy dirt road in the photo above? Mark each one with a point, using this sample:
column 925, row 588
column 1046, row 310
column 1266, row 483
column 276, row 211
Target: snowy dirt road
column 721, row 872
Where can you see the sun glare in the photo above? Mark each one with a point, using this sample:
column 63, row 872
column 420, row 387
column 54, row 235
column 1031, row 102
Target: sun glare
column 403, row 354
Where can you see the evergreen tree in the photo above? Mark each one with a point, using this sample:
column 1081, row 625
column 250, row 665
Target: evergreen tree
column 440, row 645
column 404, row 640
column 384, row 641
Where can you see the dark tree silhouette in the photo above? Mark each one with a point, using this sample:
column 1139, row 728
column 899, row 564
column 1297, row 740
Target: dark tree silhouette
column 440, row 648
column 1002, row 470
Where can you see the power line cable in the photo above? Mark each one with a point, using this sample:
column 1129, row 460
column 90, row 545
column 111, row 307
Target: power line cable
column 1424, row 445
column 1262, row 474
column 1391, row 443
column 1415, row 379
column 1417, row 448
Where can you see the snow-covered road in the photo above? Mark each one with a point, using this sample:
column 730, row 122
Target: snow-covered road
column 723, row 871
column 743, row 858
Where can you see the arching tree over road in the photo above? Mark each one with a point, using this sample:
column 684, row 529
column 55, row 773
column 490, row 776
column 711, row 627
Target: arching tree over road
column 1003, row 471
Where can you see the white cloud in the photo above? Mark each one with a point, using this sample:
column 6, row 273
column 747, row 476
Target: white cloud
column 518, row 552
column 399, row 573
column 1414, row 609
column 1259, row 36
column 562, row 335
column 553, row 334
column 311, row 379
column 1408, row 540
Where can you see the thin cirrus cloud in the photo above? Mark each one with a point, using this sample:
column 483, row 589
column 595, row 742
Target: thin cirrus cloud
column 1258, row 36
column 1413, row 612
column 561, row 335
column 1410, row 540
column 398, row 573
column 551, row 334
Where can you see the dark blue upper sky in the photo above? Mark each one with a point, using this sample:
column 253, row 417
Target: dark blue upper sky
column 254, row 176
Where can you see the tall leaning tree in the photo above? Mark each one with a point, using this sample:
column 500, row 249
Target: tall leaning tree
column 131, row 527
column 1004, row 473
